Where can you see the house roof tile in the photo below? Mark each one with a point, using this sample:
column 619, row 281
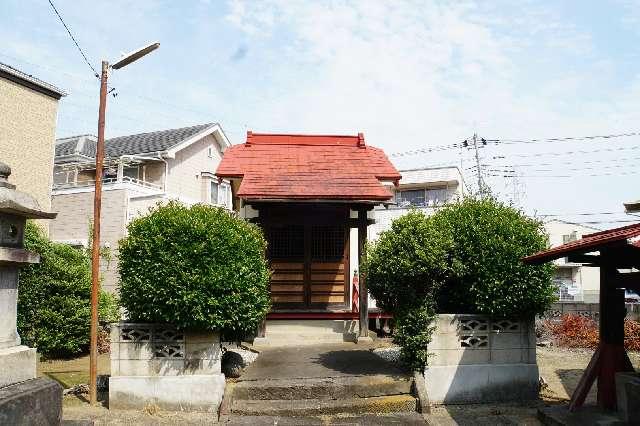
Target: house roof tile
column 308, row 167
column 141, row 143
column 589, row 242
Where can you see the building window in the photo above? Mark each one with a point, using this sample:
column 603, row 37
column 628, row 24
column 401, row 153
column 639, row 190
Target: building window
column 214, row 192
column 132, row 172
column 436, row 197
column 569, row 237
column 423, row 197
column 210, row 152
column 412, row 197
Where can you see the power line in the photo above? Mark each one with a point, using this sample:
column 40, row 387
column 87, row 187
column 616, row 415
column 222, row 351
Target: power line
column 573, row 169
column 487, row 142
column 565, row 139
column 567, row 176
column 75, row 41
column 613, row 160
column 596, row 222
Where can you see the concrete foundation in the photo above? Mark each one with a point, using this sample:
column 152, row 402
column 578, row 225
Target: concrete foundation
column 468, row 384
column 477, row 360
column 299, row 332
column 628, row 396
column 33, row 402
column 158, row 365
column 17, row 364
column 174, row 393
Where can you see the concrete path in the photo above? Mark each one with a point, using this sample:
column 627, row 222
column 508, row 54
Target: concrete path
column 319, row 361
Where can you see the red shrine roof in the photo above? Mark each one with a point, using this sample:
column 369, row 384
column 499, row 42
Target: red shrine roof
column 590, row 242
column 308, row 167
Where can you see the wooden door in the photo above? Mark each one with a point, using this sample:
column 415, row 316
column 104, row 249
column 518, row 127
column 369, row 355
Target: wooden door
column 309, row 265
column 328, row 265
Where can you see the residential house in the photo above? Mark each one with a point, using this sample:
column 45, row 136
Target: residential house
column 575, row 283
column 140, row 171
column 313, row 196
column 632, row 207
column 28, row 114
column 424, row 189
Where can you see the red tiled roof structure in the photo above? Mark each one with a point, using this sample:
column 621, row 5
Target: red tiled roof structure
column 308, row 167
column 590, row 242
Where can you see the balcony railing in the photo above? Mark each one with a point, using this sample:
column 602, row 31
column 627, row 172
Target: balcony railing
column 107, row 181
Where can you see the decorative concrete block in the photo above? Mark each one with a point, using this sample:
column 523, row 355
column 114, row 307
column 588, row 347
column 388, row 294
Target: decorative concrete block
column 17, row 364
column 175, row 393
column 156, row 364
column 32, row 402
column 474, row 359
column 160, row 349
column 459, row 357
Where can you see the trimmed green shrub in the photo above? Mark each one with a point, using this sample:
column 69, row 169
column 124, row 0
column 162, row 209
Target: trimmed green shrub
column 490, row 240
column 54, row 298
column 466, row 258
column 413, row 330
column 197, row 267
column 408, row 262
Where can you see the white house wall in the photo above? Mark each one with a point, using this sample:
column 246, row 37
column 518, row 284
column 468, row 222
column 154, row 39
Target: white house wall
column 587, row 278
column 75, row 214
column 185, row 170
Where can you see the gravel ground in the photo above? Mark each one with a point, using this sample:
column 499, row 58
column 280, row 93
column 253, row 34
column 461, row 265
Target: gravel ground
column 391, row 353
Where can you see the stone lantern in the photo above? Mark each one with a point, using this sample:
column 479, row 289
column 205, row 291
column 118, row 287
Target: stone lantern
column 18, row 383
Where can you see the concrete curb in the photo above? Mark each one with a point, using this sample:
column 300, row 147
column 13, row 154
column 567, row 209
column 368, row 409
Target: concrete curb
column 419, row 390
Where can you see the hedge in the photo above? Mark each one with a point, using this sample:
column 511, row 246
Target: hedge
column 54, row 298
column 198, row 267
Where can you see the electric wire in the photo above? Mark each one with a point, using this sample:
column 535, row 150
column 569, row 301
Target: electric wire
column 95, row 73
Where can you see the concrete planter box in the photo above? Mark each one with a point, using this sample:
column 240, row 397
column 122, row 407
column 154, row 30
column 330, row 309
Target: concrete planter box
column 156, row 364
column 474, row 360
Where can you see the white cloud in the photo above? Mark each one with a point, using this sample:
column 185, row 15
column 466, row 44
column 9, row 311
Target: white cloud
column 413, row 74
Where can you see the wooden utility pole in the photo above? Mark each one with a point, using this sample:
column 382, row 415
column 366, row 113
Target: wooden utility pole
column 95, row 246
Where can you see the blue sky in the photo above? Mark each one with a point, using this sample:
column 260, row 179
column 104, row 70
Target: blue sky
column 409, row 74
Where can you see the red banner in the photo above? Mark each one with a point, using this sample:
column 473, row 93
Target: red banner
column 355, row 298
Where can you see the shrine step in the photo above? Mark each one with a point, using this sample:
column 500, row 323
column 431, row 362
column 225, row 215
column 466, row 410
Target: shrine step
column 323, row 388
column 307, row 332
column 316, row 407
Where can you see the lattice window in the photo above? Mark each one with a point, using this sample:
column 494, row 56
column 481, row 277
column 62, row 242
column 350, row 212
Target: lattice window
column 327, row 242
column 506, row 325
column 286, row 242
column 136, row 334
column 474, row 341
column 167, row 350
column 474, row 325
column 167, row 335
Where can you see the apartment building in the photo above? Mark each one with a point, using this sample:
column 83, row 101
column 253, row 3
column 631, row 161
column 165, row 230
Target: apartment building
column 574, row 282
column 424, row 189
column 28, row 115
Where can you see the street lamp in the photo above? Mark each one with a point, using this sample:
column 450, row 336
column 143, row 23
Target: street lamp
column 97, row 203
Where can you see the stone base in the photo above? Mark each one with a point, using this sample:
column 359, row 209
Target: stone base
column 559, row 415
column 628, row 395
column 17, row 364
column 33, row 402
column 171, row 393
column 300, row 332
column 479, row 383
